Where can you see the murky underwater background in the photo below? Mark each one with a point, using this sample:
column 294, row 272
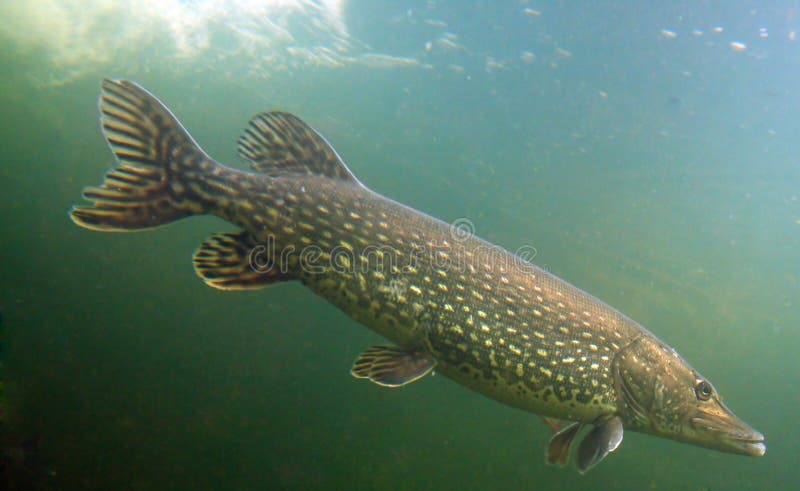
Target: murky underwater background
column 648, row 153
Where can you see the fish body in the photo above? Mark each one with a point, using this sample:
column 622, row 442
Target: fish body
column 445, row 298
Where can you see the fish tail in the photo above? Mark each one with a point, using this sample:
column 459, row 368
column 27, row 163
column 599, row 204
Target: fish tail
column 158, row 164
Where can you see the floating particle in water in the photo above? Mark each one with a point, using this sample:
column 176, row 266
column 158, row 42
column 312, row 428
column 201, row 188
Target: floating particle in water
column 492, row 65
column 602, row 94
column 435, row 23
column 563, row 53
column 447, row 44
column 669, row 34
column 792, row 36
column 531, row 12
column 718, row 30
column 527, row 57
column 762, row 33
column 738, row 46
column 697, row 33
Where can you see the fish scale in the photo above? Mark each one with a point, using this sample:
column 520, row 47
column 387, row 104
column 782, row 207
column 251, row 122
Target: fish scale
column 475, row 312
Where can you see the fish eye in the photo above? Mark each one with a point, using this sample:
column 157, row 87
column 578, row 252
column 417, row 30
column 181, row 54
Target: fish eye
column 703, row 390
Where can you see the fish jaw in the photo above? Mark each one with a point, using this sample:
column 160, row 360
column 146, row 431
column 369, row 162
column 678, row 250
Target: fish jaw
column 723, row 431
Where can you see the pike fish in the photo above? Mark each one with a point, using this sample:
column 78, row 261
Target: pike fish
column 443, row 297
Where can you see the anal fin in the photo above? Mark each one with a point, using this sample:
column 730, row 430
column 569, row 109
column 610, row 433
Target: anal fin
column 231, row 262
column 389, row 366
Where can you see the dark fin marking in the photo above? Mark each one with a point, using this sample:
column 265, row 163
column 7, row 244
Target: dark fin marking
column 153, row 151
column 235, row 261
column 560, row 443
column 277, row 143
column 390, row 366
column 604, row 438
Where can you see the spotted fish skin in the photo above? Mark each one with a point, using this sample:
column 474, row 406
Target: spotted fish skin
column 483, row 316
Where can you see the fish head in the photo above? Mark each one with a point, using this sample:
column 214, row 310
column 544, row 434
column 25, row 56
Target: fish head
column 659, row 393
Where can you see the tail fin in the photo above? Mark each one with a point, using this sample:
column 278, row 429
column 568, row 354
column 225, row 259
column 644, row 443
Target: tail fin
column 154, row 152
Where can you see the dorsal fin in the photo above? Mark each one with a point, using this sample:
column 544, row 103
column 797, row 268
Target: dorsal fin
column 277, row 143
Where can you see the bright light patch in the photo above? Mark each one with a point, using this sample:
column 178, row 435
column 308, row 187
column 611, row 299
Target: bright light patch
column 77, row 36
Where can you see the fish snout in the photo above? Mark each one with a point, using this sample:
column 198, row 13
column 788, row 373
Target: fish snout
column 724, row 431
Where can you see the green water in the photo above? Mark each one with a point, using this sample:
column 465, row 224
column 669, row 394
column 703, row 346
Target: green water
column 674, row 198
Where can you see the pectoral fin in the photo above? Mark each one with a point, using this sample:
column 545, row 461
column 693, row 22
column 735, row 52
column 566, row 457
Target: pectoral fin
column 390, row 366
column 553, row 423
column 605, row 437
column 558, row 448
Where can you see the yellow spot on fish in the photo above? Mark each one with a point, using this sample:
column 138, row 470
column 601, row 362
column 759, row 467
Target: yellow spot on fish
column 541, row 352
column 568, row 360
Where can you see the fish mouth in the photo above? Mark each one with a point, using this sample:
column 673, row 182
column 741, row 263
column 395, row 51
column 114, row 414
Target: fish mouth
column 727, row 433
